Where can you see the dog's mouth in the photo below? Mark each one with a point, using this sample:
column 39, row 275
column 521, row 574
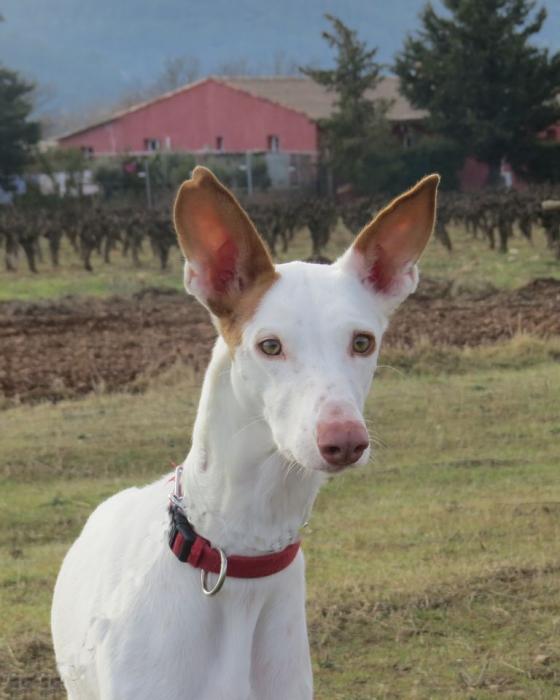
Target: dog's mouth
column 336, row 468
column 292, row 463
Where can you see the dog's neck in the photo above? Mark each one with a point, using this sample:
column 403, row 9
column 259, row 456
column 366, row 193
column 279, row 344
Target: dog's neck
column 240, row 492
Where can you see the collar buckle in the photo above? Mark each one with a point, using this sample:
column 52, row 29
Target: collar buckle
column 181, row 534
column 176, row 496
column 192, row 549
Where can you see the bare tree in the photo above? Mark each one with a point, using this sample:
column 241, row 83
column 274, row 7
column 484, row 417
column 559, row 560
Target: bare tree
column 177, row 72
column 282, row 65
column 234, row 66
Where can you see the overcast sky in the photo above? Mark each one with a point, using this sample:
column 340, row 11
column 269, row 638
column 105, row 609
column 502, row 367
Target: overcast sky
column 90, row 52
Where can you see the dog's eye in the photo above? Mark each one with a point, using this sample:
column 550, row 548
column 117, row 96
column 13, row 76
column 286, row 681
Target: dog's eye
column 363, row 344
column 271, row 346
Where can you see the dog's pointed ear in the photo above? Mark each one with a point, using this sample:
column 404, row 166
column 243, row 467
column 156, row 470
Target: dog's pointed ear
column 225, row 255
column 386, row 251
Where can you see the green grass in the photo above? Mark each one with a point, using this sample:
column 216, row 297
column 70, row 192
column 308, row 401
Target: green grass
column 434, row 572
column 70, row 279
column 471, row 264
column 518, row 352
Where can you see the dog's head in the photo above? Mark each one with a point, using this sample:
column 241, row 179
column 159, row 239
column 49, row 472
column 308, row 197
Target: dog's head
column 304, row 338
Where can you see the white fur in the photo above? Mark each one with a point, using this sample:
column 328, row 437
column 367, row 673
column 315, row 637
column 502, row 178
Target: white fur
column 129, row 621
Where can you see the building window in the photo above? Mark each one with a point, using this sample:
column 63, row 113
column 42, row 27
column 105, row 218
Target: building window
column 151, row 144
column 87, row 151
column 405, row 135
column 273, row 143
column 219, row 143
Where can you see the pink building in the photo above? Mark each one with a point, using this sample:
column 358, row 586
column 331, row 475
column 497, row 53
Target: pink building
column 474, row 173
column 277, row 116
column 209, row 115
column 228, row 115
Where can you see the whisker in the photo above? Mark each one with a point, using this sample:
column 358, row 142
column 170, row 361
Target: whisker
column 395, row 369
column 294, row 467
column 376, row 440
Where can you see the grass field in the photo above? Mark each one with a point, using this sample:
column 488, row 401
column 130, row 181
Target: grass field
column 471, row 264
column 434, row 572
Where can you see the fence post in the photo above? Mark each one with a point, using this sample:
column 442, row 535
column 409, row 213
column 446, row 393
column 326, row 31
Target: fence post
column 249, row 170
column 148, row 183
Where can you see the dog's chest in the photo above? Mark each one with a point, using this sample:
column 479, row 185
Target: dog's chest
column 249, row 625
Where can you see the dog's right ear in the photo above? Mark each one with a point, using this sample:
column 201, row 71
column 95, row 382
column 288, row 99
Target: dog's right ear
column 385, row 253
column 225, row 255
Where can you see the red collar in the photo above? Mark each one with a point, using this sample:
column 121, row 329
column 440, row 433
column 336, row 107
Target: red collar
column 193, row 549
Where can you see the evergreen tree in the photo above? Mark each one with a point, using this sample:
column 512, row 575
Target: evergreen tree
column 17, row 132
column 358, row 125
column 484, row 83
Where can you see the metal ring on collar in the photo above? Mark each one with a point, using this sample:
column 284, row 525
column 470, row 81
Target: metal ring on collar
column 221, row 576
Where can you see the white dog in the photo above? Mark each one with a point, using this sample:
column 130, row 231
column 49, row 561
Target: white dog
column 281, row 408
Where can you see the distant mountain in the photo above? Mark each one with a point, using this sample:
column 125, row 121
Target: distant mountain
column 87, row 54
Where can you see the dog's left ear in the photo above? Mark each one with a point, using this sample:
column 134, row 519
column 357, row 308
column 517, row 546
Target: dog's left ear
column 386, row 251
column 226, row 257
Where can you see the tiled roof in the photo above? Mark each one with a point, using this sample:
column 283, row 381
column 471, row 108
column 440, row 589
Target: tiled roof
column 307, row 96
column 298, row 93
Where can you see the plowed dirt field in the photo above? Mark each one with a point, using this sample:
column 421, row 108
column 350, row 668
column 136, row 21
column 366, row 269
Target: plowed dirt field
column 55, row 350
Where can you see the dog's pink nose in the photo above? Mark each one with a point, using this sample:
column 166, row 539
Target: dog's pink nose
column 342, row 442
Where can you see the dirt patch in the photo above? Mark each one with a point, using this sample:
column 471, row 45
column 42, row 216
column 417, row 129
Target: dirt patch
column 57, row 350
column 76, row 346
column 437, row 313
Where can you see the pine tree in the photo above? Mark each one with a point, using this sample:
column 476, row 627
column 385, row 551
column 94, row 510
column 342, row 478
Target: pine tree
column 484, row 83
column 358, row 123
column 17, row 132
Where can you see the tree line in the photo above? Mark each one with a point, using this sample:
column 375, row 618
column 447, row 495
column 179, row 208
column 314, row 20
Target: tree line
column 489, row 91
column 95, row 234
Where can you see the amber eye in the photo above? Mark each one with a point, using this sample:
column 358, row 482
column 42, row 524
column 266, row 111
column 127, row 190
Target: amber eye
column 271, row 346
column 363, row 344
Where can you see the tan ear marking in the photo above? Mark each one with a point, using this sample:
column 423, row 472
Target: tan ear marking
column 230, row 266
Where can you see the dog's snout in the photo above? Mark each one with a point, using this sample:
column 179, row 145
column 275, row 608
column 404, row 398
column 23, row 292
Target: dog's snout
column 341, row 442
